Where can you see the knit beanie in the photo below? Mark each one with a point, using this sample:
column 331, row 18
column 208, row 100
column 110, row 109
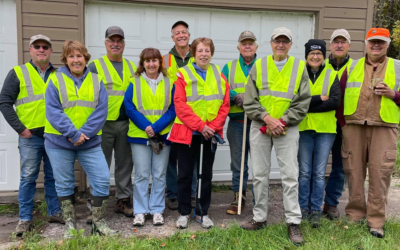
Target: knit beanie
column 315, row 44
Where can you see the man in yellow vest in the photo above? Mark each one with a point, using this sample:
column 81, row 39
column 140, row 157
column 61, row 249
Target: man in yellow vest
column 177, row 57
column 339, row 60
column 372, row 114
column 23, row 87
column 116, row 72
column 277, row 94
column 237, row 72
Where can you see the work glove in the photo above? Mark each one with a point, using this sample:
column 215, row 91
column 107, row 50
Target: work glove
column 156, row 143
column 239, row 100
column 265, row 130
column 214, row 141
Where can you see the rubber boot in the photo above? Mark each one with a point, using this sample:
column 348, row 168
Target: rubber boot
column 68, row 211
column 99, row 224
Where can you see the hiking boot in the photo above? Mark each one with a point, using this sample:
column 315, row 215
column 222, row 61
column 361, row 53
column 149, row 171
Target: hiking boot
column 173, row 203
column 233, row 208
column 295, row 234
column 253, row 225
column 377, row 232
column 139, row 220
column 69, row 216
column 58, row 218
column 182, row 222
column 193, row 201
column 315, row 218
column 89, row 219
column 158, row 219
column 331, row 212
column 305, row 214
column 99, row 224
column 124, row 206
column 206, row 222
column 23, row 227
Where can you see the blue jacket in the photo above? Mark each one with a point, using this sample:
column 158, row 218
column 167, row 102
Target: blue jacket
column 61, row 122
column 141, row 121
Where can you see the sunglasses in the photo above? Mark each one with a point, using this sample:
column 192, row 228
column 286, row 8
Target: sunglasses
column 44, row 47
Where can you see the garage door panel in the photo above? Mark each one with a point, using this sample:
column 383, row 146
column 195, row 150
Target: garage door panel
column 225, row 29
column 8, row 17
column 165, row 20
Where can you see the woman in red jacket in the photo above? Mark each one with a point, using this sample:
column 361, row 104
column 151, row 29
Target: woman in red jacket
column 201, row 105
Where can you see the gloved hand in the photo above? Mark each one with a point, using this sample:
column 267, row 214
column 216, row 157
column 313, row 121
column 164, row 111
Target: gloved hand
column 156, row 143
column 214, row 141
column 239, row 100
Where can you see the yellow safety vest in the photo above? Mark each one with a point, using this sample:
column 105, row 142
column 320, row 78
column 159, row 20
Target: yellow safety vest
column 340, row 72
column 389, row 111
column 149, row 105
column 277, row 89
column 237, row 82
column 324, row 122
column 30, row 105
column 114, row 85
column 204, row 97
column 171, row 66
column 77, row 106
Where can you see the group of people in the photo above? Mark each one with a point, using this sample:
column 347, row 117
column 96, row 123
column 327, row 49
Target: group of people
column 166, row 117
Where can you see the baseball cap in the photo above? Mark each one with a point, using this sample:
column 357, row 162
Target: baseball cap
column 114, row 30
column 281, row 31
column 39, row 37
column 180, row 22
column 378, row 33
column 341, row 32
column 247, row 35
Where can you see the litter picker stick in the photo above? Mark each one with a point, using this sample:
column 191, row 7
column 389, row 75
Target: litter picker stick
column 242, row 164
column 200, row 177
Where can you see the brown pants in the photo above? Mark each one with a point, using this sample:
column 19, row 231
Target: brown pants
column 377, row 147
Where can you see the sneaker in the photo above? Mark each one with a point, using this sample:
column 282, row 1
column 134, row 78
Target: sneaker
column 315, row 218
column 124, row 206
column 23, row 227
column 182, row 221
column 377, row 232
column 193, row 201
column 206, row 222
column 158, row 219
column 233, row 208
column 253, row 225
column 295, row 234
column 331, row 212
column 58, row 218
column 304, row 214
column 172, row 203
column 139, row 220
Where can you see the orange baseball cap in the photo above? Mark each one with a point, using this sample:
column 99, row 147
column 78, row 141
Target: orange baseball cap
column 378, row 33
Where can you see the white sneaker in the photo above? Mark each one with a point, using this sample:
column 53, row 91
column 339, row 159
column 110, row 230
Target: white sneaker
column 182, row 221
column 139, row 220
column 206, row 223
column 158, row 219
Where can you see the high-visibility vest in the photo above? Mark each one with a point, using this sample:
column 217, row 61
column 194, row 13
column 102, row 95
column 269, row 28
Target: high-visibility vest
column 324, row 122
column 204, row 97
column 30, row 107
column 171, row 66
column 277, row 89
column 152, row 106
column 113, row 83
column 237, row 82
column 339, row 72
column 77, row 104
column 389, row 111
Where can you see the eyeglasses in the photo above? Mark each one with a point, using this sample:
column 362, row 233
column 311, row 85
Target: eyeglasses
column 339, row 42
column 315, row 54
column 379, row 42
column 44, row 47
column 284, row 42
column 119, row 41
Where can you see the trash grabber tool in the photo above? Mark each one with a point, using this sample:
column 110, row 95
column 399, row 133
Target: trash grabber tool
column 242, row 164
column 200, row 166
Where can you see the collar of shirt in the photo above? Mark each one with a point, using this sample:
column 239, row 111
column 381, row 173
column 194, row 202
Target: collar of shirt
column 200, row 71
column 43, row 75
column 243, row 63
column 78, row 81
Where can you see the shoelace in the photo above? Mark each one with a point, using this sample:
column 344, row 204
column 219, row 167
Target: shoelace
column 252, row 222
column 294, row 230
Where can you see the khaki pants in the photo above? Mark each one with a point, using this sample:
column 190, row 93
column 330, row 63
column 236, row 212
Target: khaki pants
column 376, row 146
column 286, row 148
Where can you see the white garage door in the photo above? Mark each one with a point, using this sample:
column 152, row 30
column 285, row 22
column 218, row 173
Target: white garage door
column 9, row 156
column 150, row 26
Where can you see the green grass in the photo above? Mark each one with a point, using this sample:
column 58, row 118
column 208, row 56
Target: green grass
column 331, row 235
column 9, row 209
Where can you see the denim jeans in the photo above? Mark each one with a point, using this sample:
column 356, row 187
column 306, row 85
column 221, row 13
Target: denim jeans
column 334, row 187
column 93, row 163
column 172, row 175
column 313, row 156
column 148, row 163
column 32, row 152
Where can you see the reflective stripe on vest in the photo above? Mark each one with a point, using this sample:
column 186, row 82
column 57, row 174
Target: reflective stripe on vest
column 339, row 72
column 232, row 74
column 29, row 88
column 166, row 61
column 109, row 81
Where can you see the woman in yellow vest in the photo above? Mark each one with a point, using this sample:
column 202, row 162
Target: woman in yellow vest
column 317, row 131
column 76, row 110
column 149, row 104
column 202, row 105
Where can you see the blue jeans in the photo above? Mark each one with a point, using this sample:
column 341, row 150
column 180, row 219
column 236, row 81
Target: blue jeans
column 148, row 163
column 93, row 163
column 172, row 175
column 32, row 152
column 334, row 187
column 313, row 156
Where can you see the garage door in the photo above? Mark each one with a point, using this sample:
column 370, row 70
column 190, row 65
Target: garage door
column 9, row 156
column 150, row 26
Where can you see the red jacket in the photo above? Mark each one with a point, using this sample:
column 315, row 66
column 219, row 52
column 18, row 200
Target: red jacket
column 182, row 133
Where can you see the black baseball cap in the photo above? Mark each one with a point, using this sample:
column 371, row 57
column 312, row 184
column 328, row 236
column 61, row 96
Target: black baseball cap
column 180, row 22
column 114, row 30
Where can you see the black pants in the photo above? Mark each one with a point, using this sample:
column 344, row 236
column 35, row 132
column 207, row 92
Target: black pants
column 186, row 162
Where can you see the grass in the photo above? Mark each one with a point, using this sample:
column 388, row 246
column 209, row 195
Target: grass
column 9, row 209
column 331, row 235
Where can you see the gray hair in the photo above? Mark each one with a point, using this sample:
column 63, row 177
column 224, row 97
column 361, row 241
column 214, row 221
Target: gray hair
column 239, row 43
